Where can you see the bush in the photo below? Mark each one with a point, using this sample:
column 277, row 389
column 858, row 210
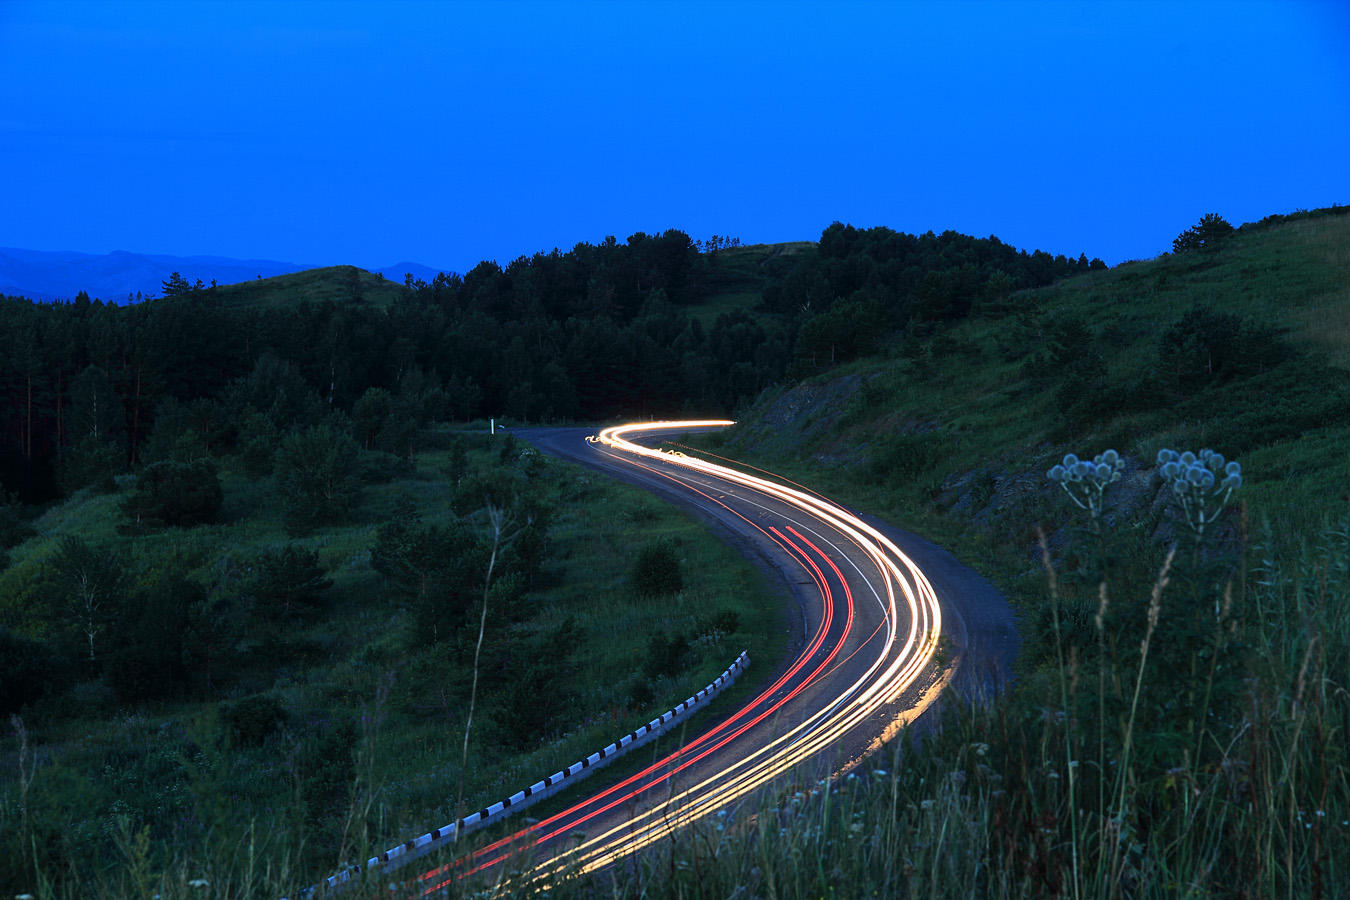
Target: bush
column 144, row 658
column 174, row 494
column 250, row 721
column 722, row 622
column 29, row 671
column 317, row 478
column 14, row 525
column 667, row 654
column 657, row 570
column 326, row 768
column 291, row 579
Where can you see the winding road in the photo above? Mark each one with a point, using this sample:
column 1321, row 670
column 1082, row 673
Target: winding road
column 880, row 632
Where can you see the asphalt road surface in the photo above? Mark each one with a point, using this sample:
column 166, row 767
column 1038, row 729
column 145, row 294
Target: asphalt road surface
column 884, row 621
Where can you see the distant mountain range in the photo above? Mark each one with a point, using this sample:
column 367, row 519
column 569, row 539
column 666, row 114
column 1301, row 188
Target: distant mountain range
column 112, row 277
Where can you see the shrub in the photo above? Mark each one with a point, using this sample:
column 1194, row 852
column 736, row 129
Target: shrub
column 250, row 721
column 291, row 579
column 657, row 570
column 29, row 671
column 144, row 658
column 174, row 494
column 667, row 654
column 722, row 622
column 326, row 768
column 14, row 525
column 317, row 477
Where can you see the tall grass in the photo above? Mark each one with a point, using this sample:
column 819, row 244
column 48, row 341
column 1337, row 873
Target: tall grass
column 1028, row 797
column 1085, row 782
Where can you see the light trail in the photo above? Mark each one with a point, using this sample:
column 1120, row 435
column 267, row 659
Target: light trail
column 891, row 664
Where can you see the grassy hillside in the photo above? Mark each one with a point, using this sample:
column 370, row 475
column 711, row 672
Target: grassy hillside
column 1179, row 723
column 953, row 427
column 332, row 725
column 339, row 284
column 735, row 281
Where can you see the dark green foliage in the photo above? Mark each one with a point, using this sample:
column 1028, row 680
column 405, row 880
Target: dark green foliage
column 174, row 494
column 290, row 581
column 458, row 465
column 438, row 570
column 250, row 721
column 668, row 654
column 96, row 429
column 317, row 478
column 86, row 593
column 93, row 462
column 656, row 571
column 531, row 708
column 14, row 525
column 1311, row 396
column 326, row 768
column 30, row 671
column 258, row 440
column 1206, row 235
column 899, row 458
column 721, row 623
column 144, row 659
column 844, row 331
column 210, row 643
column 369, row 414
column 950, row 294
column 1208, row 347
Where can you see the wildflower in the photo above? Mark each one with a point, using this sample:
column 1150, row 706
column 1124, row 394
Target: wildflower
column 981, row 749
column 927, row 804
column 199, row 883
column 1086, row 482
column 1197, row 484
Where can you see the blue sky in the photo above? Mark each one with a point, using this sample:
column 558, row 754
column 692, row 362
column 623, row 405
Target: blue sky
column 446, row 133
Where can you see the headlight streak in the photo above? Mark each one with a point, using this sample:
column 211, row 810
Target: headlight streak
column 863, row 698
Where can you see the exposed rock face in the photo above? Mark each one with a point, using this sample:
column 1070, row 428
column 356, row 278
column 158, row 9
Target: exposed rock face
column 801, row 413
column 1008, row 499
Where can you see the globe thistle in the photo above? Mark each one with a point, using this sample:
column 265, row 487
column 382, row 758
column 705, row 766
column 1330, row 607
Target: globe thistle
column 1086, row 482
column 1203, row 484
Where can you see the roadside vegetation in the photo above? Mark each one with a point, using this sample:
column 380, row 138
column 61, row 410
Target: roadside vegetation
column 1180, row 711
column 295, row 676
column 1179, row 720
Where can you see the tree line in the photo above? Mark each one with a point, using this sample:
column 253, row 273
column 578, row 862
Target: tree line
column 89, row 390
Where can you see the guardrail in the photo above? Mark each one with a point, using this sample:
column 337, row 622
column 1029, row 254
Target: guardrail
column 438, row 837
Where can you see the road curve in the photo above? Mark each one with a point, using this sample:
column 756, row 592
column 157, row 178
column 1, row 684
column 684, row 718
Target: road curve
column 882, row 630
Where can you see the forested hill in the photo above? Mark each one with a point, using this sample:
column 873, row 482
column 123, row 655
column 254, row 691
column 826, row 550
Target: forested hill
column 655, row 325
